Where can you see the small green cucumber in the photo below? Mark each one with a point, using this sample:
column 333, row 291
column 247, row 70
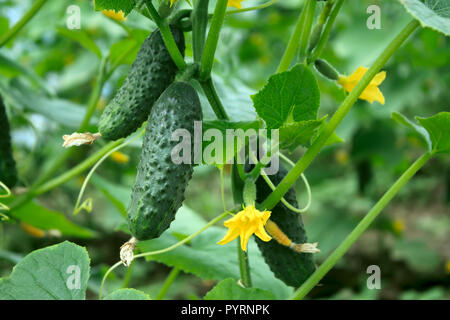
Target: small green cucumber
column 8, row 172
column 158, row 191
column 152, row 72
column 289, row 266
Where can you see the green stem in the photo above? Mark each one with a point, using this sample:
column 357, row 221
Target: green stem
column 92, row 103
column 95, row 95
column 213, row 98
column 338, row 116
column 212, row 39
column 169, row 41
column 292, row 46
column 169, row 281
column 306, row 32
column 11, row 33
column 262, row 6
column 86, row 164
column 326, row 32
column 128, row 274
column 199, row 24
column 66, row 176
column 360, row 228
column 244, row 266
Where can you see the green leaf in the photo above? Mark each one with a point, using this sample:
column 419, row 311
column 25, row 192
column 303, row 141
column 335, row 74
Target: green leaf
column 11, row 68
column 400, row 118
column 82, row 38
column 58, row 272
column 45, row 219
column 127, row 294
column 434, row 14
column 438, row 127
column 125, row 51
column 62, row 111
column 290, row 96
column 117, row 5
column 119, row 195
column 228, row 289
column 298, row 133
column 208, row 260
column 417, row 254
column 4, row 25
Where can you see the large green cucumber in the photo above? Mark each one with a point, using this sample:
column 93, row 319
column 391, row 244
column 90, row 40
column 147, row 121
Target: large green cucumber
column 158, row 191
column 289, row 266
column 152, row 72
column 8, row 172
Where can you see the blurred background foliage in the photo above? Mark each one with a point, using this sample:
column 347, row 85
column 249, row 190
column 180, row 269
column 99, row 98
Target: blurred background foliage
column 47, row 74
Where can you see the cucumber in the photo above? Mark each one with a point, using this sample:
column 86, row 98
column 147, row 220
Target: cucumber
column 158, row 191
column 152, row 72
column 8, row 172
column 289, row 266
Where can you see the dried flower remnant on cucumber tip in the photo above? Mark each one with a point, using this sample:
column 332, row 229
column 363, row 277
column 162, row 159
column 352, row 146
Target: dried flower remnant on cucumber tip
column 78, row 139
column 126, row 251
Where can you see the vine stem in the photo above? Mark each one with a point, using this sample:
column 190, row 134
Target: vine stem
column 169, row 281
column 326, row 32
column 95, row 95
column 199, row 24
column 176, row 245
column 338, row 116
column 293, row 43
column 98, row 163
column 11, row 33
column 87, row 163
column 213, row 98
column 212, row 39
column 66, row 176
column 306, row 32
column 244, row 266
column 360, row 228
column 126, row 280
column 262, row 6
column 92, row 103
column 169, row 41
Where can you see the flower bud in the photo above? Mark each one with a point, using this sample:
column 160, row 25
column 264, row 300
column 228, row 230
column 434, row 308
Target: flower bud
column 326, row 69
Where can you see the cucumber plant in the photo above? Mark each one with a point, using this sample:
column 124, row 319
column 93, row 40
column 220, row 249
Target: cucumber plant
column 163, row 87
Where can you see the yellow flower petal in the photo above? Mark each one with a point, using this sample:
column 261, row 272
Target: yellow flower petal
column 262, row 234
column 379, row 78
column 230, row 236
column 119, row 157
column 371, row 93
column 118, row 16
column 235, row 3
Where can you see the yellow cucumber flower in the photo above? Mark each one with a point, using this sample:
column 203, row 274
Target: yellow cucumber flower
column 119, row 157
column 235, row 3
column 371, row 93
column 118, row 16
column 245, row 223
